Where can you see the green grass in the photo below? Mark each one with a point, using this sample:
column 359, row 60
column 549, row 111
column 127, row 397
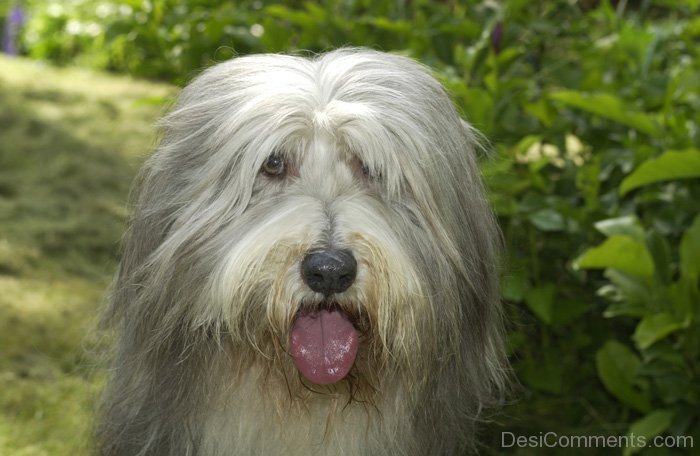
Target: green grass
column 70, row 143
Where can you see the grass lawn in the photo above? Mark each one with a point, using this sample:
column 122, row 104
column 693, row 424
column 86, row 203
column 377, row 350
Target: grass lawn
column 70, row 143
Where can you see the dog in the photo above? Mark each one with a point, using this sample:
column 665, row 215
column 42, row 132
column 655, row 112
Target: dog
column 310, row 269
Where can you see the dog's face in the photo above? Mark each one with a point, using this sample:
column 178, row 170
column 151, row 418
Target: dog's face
column 322, row 218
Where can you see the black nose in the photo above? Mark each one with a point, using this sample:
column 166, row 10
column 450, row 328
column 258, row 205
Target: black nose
column 329, row 271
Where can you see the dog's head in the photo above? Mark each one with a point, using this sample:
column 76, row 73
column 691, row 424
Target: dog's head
column 320, row 215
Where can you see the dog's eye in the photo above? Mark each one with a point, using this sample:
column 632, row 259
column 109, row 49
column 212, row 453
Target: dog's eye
column 274, row 166
column 370, row 174
column 363, row 171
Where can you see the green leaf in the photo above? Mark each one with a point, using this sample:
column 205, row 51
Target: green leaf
column 541, row 301
column 478, row 105
column 588, row 181
column 547, row 220
column 632, row 293
column 660, row 251
column 550, row 309
column 609, row 107
column 684, row 297
column 514, row 286
column 647, row 428
column 690, row 251
column 542, row 111
column 394, row 26
column 654, row 328
column 567, row 310
column 628, row 225
column 617, row 368
column 525, row 143
column 543, row 375
column 669, row 166
column 618, row 252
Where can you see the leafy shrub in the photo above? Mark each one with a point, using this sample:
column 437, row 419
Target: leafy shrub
column 593, row 114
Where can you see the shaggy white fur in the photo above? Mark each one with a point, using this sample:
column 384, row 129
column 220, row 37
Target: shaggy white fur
column 221, row 301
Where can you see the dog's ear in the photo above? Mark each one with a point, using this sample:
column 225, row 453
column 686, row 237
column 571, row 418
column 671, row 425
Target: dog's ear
column 148, row 227
column 150, row 221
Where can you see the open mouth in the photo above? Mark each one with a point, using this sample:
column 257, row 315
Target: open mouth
column 324, row 344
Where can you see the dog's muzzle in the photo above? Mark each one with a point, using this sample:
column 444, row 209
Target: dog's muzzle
column 324, row 342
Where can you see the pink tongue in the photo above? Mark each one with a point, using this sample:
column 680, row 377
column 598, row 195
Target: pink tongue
column 324, row 346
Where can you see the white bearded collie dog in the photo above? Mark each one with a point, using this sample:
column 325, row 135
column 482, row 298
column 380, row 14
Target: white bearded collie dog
column 310, row 269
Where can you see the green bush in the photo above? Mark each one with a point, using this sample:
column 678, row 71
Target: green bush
column 593, row 113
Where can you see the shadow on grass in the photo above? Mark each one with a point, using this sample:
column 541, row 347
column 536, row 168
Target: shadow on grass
column 61, row 199
column 64, row 181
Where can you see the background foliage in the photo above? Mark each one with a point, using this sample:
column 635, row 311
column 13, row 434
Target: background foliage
column 592, row 111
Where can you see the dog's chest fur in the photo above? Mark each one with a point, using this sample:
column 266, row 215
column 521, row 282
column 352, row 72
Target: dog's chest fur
column 251, row 421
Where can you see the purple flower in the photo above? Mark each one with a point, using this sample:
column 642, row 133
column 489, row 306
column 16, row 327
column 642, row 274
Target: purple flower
column 14, row 23
column 497, row 37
